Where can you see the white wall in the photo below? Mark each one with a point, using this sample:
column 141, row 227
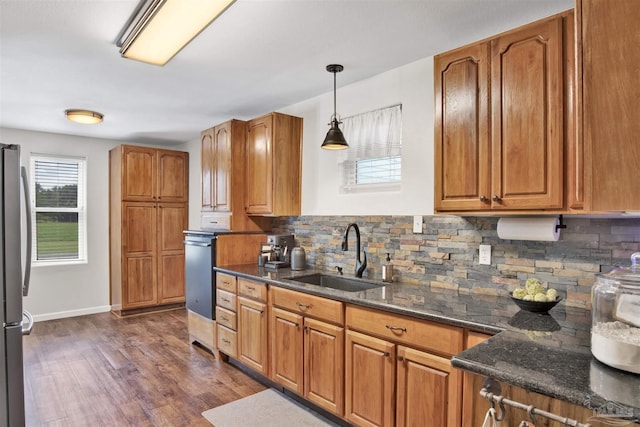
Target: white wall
column 72, row 290
column 195, row 195
column 411, row 85
column 63, row 291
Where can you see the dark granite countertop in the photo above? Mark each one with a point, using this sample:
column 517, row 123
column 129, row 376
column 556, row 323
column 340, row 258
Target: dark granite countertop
column 545, row 353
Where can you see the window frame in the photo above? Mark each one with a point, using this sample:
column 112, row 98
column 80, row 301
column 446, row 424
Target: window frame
column 81, row 209
column 349, row 159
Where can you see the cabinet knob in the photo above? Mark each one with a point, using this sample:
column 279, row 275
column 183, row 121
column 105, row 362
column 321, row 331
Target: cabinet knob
column 483, row 199
column 495, row 198
column 386, row 354
column 400, row 359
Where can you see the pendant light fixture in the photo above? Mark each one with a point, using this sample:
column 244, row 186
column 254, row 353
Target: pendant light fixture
column 334, row 139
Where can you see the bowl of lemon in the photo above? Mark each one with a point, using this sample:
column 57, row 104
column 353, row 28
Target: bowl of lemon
column 535, row 297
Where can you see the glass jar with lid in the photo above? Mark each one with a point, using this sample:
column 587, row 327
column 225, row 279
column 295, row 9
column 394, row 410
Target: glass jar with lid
column 615, row 312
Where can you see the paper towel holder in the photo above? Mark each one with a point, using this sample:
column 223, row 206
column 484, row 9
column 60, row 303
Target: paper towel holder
column 560, row 224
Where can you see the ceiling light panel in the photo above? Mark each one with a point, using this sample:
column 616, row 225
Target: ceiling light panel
column 167, row 26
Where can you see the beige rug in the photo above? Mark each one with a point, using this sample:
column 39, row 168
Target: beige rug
column 268, row 408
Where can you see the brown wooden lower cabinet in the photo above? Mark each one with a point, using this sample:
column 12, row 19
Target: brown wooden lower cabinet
column 369, row 381
column 307, row 355
column 323, row 365
column 252, row 334
column 428, row 390
column 394, row 385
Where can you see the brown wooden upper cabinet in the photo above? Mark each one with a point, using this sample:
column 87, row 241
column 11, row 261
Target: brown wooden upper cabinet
column 223, row 179
column 502, row 120
column 274, row 165
column 218, row 144
column 610, row 108
column 154, row 175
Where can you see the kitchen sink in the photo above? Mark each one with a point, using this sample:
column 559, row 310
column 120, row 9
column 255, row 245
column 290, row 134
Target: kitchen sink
column 335, row 282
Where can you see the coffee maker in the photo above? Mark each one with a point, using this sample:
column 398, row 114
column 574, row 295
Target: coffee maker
column 281, row 246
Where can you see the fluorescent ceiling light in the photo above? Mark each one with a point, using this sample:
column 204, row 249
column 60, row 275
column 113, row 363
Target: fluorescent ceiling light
column 86, row 117
column 161, row 28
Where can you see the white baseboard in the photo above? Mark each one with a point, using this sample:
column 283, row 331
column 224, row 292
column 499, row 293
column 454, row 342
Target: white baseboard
column 71, row 313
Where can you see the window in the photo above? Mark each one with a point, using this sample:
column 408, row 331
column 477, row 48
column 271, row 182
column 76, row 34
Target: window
column 373, row 160
column 58, row 209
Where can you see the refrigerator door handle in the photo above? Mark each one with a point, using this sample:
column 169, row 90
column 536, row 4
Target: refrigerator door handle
column 27, row 202
column 26, row 330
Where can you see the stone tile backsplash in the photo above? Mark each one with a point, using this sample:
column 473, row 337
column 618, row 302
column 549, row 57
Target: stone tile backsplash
column 446, row 254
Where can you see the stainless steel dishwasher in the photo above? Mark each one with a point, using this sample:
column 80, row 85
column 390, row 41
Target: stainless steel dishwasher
column 200, row 258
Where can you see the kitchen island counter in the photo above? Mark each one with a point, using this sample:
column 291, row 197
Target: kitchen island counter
column 545, row 353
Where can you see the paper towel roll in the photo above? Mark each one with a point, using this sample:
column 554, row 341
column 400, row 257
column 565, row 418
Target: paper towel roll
column 529, row 228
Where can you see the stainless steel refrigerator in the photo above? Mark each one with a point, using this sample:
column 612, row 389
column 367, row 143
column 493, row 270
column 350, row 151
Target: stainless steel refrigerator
column 15, row 285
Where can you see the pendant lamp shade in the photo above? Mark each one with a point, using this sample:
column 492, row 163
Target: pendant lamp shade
column 334, row 139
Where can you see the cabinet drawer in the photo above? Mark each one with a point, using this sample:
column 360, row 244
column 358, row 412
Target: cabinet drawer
column 443, row 339
column 227, row 318
column 216, row 221
column 226, row 300
column 226, row 282
column 308, row 305
column 227, row 341
column 251, row 289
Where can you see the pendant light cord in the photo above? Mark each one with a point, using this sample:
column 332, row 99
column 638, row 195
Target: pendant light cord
column 335, row 109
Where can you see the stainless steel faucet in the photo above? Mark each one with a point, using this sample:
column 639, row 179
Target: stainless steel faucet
column 360, row 265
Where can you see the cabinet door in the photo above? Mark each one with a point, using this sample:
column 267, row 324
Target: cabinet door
column 462, row 146
column 139, row 173
column 259, row 166
column 252, row 334
column 611, row 64
column 429, row 390
column 208, row 168
column 139, row 261
column 369, row 380
column 528, row 115
column 222, row 182
column 324, row 365
column 173, row 176
column 172, row 219
column 286, row 349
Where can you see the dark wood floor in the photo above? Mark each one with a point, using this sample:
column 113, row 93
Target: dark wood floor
column 101, row 370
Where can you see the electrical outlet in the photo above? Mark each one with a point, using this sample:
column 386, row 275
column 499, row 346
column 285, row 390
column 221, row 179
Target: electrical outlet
column 417, row 224
column 485, row 255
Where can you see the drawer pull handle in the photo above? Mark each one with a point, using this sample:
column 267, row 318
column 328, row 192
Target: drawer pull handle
column 225, row 319
column 226, row 283
column 251, row 288
column 226, row 341
column 225, row 300
column 302, row 306
column 396, row 328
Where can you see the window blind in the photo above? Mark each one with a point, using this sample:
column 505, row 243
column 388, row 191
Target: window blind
column 375, row 149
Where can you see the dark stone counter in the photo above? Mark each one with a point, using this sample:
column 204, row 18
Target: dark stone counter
column 545, row 353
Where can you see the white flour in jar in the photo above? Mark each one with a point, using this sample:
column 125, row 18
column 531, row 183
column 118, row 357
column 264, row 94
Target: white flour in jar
column 617, row 344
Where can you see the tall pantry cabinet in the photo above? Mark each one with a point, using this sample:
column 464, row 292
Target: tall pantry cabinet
column 148, row 212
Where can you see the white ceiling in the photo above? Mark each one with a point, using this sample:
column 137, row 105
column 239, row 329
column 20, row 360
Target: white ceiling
column 259, row 56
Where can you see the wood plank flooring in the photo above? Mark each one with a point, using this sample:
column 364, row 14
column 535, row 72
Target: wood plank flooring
column 100, row 370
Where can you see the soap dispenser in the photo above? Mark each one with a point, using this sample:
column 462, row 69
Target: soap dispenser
column 387, row 270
